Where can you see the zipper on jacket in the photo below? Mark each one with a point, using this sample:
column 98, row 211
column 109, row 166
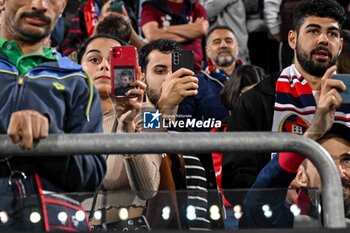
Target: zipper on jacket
column 20, row 83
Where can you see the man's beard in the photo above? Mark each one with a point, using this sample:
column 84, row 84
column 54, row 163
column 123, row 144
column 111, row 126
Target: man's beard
column 315, row 68
column 29, row 36
column 224, row 61
column 347, row 206
column 346, row 183
column 152, row 96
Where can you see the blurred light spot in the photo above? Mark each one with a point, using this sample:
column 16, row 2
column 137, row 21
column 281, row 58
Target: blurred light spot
column 214, row 212
column 295, row 209
column 62, row 217
column 215, row 216
column 191, row 209
column 238, row 215
column 80, row 215
column 237, row 208
column 319, row 208
column 35, row 217
column 123, row 214
column 4, row 218
column 166, row 210
column 265, row 207
column 214, row 209
column 98, row 215
column 268, row 213
column 237, row 211
column 165, row 216
column 166, row 213
column 191, row 213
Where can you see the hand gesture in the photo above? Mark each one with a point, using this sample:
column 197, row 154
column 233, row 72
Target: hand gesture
column 175, row 88
column 328, row 102
column 128, row 108
column 26, row 126
column 105, row 12
column 202, row 23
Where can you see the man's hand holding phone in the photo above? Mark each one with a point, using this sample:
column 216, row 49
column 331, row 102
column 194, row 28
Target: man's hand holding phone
column 180, row 83
column 114, row 8
column 175, row 88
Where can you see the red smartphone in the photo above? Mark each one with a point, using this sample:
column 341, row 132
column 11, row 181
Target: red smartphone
column 124, row 70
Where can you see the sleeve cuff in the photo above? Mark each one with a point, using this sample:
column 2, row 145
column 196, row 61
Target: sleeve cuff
column 290, row 161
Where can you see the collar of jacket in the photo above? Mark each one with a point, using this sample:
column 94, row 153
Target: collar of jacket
column 268, row 85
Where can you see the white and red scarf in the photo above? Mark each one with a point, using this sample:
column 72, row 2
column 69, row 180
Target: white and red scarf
column 295, row 104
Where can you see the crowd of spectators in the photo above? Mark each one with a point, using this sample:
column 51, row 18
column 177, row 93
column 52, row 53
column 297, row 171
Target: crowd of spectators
column 257, row 66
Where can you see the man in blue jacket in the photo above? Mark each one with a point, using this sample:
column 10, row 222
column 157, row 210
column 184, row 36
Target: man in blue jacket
column 222, row 51
column 41, row 93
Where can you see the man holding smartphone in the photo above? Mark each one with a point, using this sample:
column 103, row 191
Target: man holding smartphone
column 165, row 90
column 302, row 99
column 222, row 52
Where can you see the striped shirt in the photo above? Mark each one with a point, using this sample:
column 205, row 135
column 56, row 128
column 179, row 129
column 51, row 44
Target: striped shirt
column 196, row 184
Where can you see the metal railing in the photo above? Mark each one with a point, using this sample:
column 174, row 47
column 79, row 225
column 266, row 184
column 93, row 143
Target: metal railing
column 64, row 144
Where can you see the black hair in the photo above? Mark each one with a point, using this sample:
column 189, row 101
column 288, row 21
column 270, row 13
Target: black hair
column 339, row 130
column 115, row 26
column 84, row 45
column 343, row 62
column 126, row 73
column 320, row 8
column 162, row 45
column 243, row 76
column 219, row 28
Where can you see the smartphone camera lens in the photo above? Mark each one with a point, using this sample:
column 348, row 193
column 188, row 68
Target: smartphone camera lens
column 176, row 58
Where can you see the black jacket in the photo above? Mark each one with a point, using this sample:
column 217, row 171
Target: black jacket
column 253, row 112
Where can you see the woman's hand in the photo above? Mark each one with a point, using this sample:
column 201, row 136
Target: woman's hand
column 128, row 108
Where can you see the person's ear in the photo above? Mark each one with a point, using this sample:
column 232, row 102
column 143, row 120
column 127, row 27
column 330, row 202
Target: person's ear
column 62, row 10
column 341, row 46
column 301, row 177
column 141, row 75
column 292, row 39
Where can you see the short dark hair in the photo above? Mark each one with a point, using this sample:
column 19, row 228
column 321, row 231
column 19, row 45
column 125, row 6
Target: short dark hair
column 340, row 130
column 220, row 28
column 320, row 8
column 162, row 45
column 126, row 73
column 115, row 26
column 84, row 45
column 343, row 62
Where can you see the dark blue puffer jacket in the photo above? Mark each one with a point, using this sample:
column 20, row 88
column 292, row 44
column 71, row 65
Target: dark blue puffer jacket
column 61, row 91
